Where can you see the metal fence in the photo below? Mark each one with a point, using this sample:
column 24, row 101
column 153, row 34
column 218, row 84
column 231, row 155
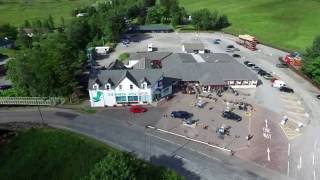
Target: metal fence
column 32, row 101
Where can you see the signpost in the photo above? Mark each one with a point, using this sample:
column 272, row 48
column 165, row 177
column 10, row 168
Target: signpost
column 268, row 151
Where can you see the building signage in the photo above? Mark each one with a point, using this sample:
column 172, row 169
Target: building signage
column 132, row 94
column 120, row 94
column 98, row 96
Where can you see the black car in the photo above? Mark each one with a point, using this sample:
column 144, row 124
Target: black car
column 318, row 96
column 231, row 115
column 262, row 72
column 181, row 114
column 230, row 46
column 246, row 62
column 250, row 65
column 282, row 65
column 286, row 89
column 236, row 56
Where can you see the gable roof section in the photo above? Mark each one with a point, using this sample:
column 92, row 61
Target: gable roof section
column 151, row 76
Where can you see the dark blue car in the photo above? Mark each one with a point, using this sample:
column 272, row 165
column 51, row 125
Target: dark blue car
column 181, row 114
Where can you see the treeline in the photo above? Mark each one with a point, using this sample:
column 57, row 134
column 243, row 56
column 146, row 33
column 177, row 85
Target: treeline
column 311, row 61
column 51, row 58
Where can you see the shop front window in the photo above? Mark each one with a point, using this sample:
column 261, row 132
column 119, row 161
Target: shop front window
column 133, row 98
column 121, row 99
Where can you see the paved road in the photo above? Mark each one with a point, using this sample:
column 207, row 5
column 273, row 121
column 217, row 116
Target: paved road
column 188, row 159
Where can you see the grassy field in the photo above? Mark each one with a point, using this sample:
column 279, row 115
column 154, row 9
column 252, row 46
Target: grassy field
column 51, row 154
column 17, row 11
column 289, row 24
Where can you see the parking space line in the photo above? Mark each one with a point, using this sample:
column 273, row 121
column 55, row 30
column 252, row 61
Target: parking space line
column 289, row 132
column 295, row 108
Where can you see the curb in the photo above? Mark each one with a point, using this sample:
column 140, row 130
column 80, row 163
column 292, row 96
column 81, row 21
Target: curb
column 229, row 151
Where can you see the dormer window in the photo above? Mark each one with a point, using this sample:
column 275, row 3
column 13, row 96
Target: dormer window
column 144, row 85
column 108, row 87
column 95, row 86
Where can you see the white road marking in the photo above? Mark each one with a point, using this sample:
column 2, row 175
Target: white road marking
column 314, row 175
column 315, row 144
column 313, row 160
column 300, row 163
column 268, row 151
column 203, row 154
column 288, row 168
column 289, row 149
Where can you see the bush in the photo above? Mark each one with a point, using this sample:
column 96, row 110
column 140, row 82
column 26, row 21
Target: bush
column 123, row 56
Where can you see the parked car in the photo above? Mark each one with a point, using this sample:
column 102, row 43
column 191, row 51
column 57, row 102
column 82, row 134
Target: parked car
column 236, row 56
column 318, row 96
column 268, row 76
column 250, row 64
column 230, row 46
column 282, row 65
column 255, row 68
column 5, row 87
column 262, row 72
column 286, row 89
column 231, row 115
column 216, row 42
column 137, row 109
column 188, row 121
column 236, row 49
column 181, row 114
column 229, row 50
column 246, row 62
column 217, row 39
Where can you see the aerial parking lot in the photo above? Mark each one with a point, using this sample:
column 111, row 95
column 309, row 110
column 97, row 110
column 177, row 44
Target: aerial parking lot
column 271, row 143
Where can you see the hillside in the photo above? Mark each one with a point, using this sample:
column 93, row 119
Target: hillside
column 289, row 24
column 16, row 11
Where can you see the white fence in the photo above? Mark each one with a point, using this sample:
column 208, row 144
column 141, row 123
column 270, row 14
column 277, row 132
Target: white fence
column 32, row 101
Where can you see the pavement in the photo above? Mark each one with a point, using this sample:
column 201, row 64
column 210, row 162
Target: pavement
column 189, row 159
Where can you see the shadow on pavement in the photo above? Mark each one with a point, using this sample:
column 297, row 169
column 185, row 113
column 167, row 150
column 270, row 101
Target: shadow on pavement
column 175, row 164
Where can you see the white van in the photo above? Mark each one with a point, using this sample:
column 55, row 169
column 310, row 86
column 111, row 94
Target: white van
column 278, row 83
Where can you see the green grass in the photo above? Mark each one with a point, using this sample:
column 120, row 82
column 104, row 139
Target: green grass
column 288, row 24
column 16, row 12
column 52, row 154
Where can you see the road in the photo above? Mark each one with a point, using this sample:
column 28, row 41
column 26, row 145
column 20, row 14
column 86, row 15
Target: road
column 186, row 158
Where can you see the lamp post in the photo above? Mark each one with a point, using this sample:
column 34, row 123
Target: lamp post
column 41, row 116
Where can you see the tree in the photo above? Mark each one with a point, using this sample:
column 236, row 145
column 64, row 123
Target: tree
column 27, row 24
column 222, row 22
column 155, row 14
column 49, row 69
column 6, row 30
column 50, row 22
column 149, row 3
column 311, row 61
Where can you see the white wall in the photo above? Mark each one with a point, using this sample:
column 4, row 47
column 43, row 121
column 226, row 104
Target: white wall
column 92, row 94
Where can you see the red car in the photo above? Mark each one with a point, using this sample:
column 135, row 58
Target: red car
column 137, row 109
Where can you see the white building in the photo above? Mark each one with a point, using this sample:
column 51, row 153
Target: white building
column 116, row 87
column 154, row 75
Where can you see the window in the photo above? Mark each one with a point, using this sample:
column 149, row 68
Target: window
column 133, row 98
column 131, row 86
column 95, row 86
column 120, row 87
column 107, row 87
column 121, row 99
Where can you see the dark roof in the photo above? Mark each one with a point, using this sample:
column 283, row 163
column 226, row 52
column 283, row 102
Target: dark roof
column 215, row 68
column 135, row 75
column 146, row 58
column 191, row 47
column 117, row 64
column 149, row 55
column 154, row 27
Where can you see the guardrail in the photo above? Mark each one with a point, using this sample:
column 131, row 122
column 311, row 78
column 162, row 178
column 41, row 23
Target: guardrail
column 32, row 101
